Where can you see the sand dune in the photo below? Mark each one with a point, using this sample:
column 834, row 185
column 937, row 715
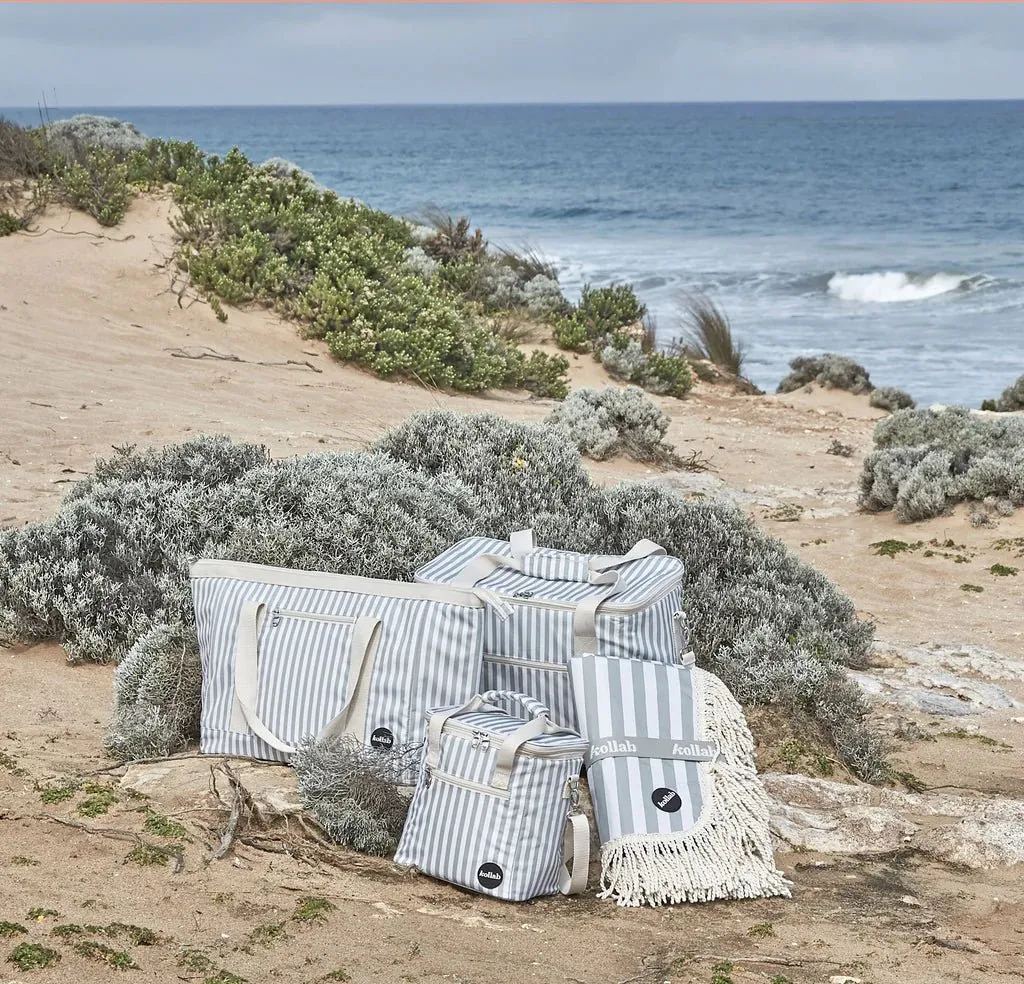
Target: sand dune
column 98, row 350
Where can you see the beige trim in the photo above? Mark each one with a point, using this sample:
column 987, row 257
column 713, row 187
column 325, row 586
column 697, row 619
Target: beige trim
column 334, row 582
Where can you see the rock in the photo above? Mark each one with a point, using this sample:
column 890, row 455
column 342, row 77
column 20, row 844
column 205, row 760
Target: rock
column 708, row 486
column 840, row 979
column 841, row 818
column 187, row 783
column 931, row 679
column 976, row 843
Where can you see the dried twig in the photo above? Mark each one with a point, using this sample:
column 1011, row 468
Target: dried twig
column 209, row 353
column 175, row 853
column 82, row 232
column 146, row 761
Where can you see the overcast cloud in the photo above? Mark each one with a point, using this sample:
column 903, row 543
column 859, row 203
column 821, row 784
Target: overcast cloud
column 217, row 54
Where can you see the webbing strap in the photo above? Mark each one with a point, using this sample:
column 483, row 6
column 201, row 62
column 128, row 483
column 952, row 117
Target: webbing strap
column 250, row 621
column 575, row 855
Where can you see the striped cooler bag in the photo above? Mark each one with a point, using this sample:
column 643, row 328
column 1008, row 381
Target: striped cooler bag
column 496, row 807
column 681, row 813
column 289, row 654
column 553, row 603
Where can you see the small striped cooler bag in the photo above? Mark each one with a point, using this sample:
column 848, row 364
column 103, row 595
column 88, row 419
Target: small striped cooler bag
column 496, row 806
column 551, row 604
column 290, row 654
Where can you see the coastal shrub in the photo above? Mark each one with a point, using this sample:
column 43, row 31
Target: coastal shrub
column 707, row 334
column 543, row 297
column 1012, row 398
column 452, row 242
column 666, row 375
column 98, row 185
column 342, row 269
column 604, row 310
column 283, row 168
column 828, row 370
column 611, row 421
column 157, row 689
column 517, row 471
column 926, row 461
column 159, row 161
column 355, row 792
column 890, row 398
column 104, row 132
column 108, row 576
column 528, row 263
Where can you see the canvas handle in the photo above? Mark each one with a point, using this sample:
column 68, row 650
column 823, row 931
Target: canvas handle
column 553, row 565
column 556, row 565
column 575, row 855
column 250, row 620
column 532, row 706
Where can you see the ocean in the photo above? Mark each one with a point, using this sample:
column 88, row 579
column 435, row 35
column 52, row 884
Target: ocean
column 889, row 232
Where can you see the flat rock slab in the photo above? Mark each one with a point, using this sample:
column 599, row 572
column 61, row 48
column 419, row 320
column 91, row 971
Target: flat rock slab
column 943, row 679
column 843, row 818
column 187, row 782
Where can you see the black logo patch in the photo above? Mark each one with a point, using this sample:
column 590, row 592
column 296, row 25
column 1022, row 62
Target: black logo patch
column 490, row 875
column 667, row 800
column 382, row 738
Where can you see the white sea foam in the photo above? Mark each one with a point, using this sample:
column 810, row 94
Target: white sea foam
column 893, row 286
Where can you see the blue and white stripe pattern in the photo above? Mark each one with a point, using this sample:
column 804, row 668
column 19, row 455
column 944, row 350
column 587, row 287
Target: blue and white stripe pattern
column 504, row 843
column 425, row 651
column 621, row 699
column 529, row 650
column 681, row 813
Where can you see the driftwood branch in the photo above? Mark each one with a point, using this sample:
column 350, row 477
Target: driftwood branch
column 209, row 353
column 176, row 854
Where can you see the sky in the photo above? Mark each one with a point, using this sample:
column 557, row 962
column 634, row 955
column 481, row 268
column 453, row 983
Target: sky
column 269, row 54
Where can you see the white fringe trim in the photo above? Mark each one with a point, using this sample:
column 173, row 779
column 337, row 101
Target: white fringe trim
column 727, row 854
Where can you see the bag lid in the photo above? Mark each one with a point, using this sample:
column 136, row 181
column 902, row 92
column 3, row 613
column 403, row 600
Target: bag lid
column 515, row 569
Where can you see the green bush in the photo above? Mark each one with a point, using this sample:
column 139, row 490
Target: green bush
column 98, row 186
column 890, row 398
column 604, row 310
column 571, row 334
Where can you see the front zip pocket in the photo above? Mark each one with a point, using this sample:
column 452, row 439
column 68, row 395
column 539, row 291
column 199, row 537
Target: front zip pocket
column 473, row 787
column 277, row 614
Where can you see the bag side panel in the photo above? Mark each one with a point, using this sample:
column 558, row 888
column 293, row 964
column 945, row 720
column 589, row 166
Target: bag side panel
column 648, row 634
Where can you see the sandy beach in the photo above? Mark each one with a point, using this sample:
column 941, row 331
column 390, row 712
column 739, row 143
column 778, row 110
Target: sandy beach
column 99, row 348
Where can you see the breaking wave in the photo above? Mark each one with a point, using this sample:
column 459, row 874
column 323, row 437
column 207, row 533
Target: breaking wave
column 894, row 286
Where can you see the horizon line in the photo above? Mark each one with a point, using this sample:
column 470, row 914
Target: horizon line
column 538, row 103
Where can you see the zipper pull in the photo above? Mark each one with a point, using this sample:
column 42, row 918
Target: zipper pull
column 275, row 619
column 572, row 794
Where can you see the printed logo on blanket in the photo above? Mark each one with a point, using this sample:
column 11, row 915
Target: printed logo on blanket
column 667, row 800
column 382, row 738
column 490, row 875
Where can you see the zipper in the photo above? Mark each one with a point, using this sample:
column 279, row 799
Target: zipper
column 608, row 608
column 485, row 738
column 473, row 787
column 533, row 663
column 278, row 613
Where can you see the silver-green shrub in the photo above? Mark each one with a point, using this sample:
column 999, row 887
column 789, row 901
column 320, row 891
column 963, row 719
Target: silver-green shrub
column 926, row 461
column 519, row 472
column 604, row 423
column 156, row 695
column 829, row 370
column 108, row 576
column 355, row 792
column 890, row 398
column 102, row 131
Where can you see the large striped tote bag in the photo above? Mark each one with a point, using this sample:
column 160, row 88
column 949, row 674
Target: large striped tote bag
column 495, row 809
column 554, row 603
column 681, row 813
column 288, row 655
